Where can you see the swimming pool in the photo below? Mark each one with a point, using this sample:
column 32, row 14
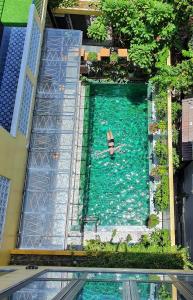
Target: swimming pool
column 117, row 190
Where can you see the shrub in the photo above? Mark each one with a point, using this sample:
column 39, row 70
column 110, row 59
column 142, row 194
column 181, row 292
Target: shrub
column 160, row 238
column 92, row 56
column 176, row 110
column 163, row 293
column 161, row 105
column 114, row 57
column 98, row 29
column 141, row 55
column 150, row 248
column 171, row 258
column 176, row 159
column 162, row 125
column 161, row 196
column 159, row 171
column 175, row 135
column 63, row 3
column 114, row 232
column 144, row 240
column 152, row 260
column 161, row 151
column 128, row 238
column 144, row 26
column 152, row 221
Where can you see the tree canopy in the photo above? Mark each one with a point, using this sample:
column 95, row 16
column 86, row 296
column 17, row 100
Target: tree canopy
column 145, row 27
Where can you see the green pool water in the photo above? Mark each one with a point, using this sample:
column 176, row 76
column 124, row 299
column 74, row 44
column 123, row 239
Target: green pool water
column 117, row 189
column 101, row 291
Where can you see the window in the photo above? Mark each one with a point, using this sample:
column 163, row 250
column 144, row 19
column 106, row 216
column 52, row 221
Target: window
column 4, row 192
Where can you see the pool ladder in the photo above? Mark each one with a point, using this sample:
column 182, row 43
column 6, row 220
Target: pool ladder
column 91, row 219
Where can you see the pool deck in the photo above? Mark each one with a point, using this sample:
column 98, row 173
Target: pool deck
column 74, row 236
column 105, row 233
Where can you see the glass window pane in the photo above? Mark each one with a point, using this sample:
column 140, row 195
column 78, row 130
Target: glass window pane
column 101, row 290
column 44, row 290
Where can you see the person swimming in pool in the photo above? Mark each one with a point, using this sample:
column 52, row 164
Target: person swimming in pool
column 111, row 143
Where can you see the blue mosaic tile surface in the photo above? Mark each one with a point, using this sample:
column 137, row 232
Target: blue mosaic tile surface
column 10, row 76
column 3, row 49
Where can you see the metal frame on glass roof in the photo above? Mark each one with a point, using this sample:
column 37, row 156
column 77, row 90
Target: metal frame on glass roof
column 51, row 150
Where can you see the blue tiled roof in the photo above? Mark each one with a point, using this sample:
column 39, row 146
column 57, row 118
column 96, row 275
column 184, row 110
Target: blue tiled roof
column 10, row 60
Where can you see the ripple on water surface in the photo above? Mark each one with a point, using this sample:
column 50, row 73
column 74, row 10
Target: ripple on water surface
column 118, row 188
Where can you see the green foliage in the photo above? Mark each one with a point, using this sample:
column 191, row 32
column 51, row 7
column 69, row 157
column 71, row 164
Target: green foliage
column 147, row 259
column 187, row 53
column 161, row 151
column 141, row 55
column 114, row 57
column 162, row 125
column 149, row 249
column 92, row 56
column 98, row 29
column 162, row 170
column 161, row 196
column 160, row 238
column 153, row 221
column 159, row 171
column 162, row 57
column 161, row 105
column 63, row 3
column 128, row 238
column 84, row 80
column 183, row 8
column 176, row 110
column 176, row 159
column 175, row 135
column 163, row 293
column 178, row 77
column 143, row 26
column 114, row 232
column 144, row 240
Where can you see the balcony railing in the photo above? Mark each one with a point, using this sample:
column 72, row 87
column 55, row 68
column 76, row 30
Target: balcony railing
column 83, row 7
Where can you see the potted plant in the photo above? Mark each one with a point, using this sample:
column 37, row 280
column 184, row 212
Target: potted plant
column 92, row 56
column 153, row 127
column 155, row 173
column 114, row 58
column 152, row 221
